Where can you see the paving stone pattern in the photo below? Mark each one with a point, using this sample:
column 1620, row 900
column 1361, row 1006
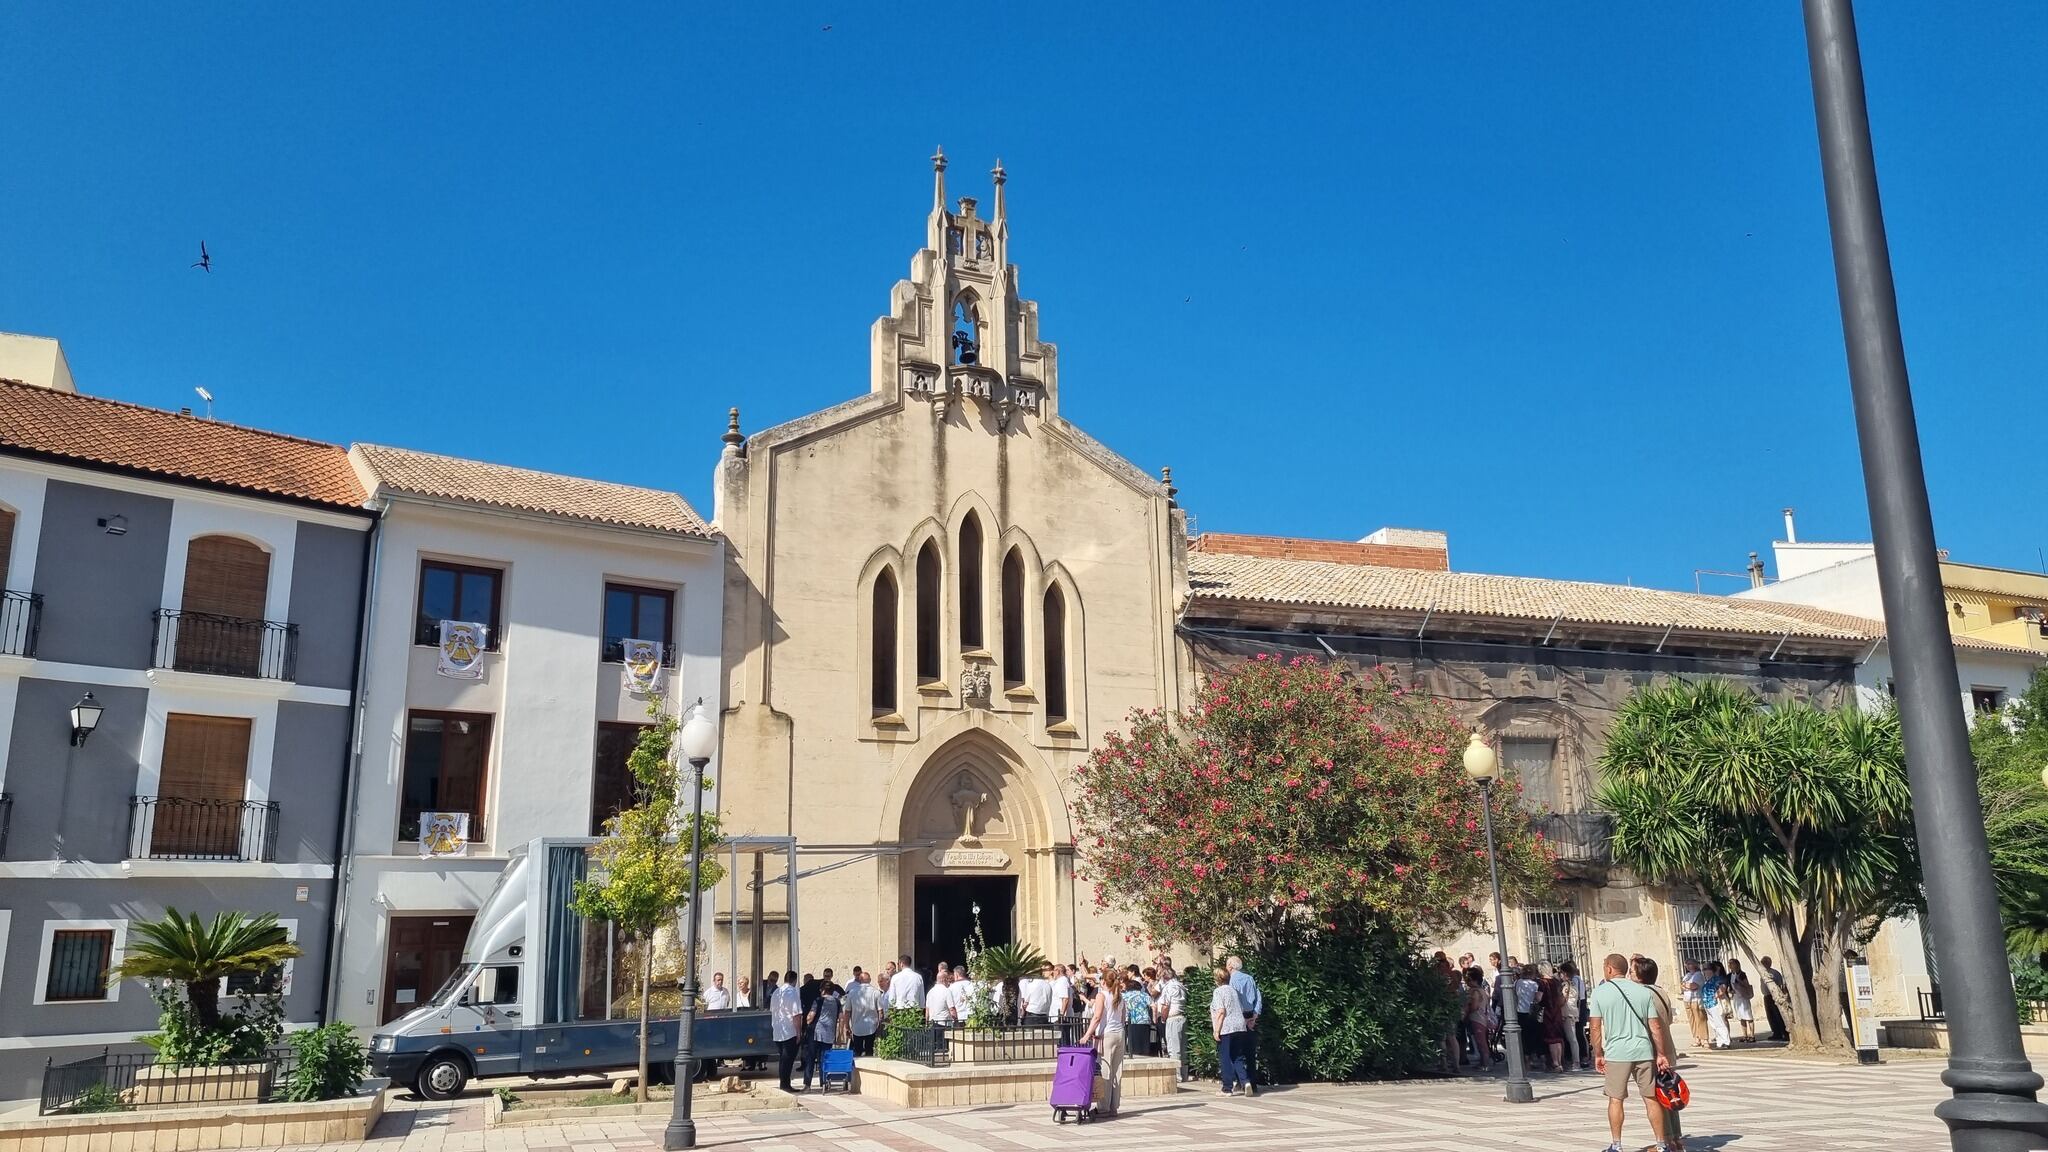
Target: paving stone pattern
column 1741, row 1104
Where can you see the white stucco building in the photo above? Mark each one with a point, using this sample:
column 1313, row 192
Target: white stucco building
column 559, row 572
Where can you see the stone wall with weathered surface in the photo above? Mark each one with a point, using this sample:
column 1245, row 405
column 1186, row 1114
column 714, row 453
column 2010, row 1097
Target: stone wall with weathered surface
column 1521, row 689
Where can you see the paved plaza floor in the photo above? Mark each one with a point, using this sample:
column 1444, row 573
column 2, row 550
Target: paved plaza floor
column 1746, row 1103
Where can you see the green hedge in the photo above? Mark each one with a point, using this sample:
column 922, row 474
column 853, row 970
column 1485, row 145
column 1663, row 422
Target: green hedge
column 1356, row 1005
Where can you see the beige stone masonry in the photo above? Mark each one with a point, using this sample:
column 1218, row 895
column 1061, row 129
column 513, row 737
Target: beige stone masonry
column 197, row 1129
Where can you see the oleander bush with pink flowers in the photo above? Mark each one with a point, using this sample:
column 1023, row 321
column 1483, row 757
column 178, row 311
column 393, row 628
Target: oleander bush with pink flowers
column 1294, row 796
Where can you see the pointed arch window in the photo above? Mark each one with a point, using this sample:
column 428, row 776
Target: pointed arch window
column 966, row 338
column 1055, row 655
column 882, row 653
column 1013, row 619
column 929, row 620
column 970, row 583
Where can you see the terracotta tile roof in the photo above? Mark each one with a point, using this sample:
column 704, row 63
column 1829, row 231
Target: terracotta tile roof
column 524, row 490
column 1311, row 583
column 89, row 430
column 1876, row 628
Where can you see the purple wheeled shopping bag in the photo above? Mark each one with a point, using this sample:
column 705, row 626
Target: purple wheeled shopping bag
column 1073, row 1084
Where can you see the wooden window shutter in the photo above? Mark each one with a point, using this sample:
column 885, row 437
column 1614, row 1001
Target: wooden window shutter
column 6, row 543
column 205, row 757
column 225, row 576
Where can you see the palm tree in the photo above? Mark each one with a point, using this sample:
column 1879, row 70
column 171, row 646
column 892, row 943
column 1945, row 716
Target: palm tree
column 1790, row 815
column 186, row 951
column 1007, row 964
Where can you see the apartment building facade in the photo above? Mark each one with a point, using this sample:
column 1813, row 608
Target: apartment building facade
column 517, row 620
column 178, row 652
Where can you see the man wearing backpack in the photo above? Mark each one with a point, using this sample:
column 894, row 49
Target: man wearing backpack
column 1629, row 1042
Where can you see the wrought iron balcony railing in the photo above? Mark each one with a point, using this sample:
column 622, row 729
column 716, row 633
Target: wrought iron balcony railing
column 224, row 645
column 175, row 828
column 21, row 618
column 1579, row 837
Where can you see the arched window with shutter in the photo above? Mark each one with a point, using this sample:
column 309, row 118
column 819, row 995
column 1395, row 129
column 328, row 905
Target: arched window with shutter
column 969, row 561
column 1014, row 656
column 219, row 628
column 882, row 651
column 930, row 621
column 1055, row 655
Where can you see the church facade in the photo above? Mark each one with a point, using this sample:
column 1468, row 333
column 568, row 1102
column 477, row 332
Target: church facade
column 940, row 593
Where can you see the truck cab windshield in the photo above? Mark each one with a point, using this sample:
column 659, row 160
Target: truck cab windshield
column 452, row 985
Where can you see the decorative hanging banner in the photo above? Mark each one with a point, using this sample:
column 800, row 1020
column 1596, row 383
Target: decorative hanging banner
column 462, row 649
column 444, row 833
column 643, row 665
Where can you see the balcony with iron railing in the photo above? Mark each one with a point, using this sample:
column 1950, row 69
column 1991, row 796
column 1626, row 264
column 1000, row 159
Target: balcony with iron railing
column 176, row 828
column 214, row 645
column 1582, row 841
column 21, row 618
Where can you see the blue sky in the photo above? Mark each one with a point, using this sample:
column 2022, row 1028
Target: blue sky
column 1553, row 278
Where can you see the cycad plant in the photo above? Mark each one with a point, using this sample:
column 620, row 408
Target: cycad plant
column 198, row 955
column 1007, row 965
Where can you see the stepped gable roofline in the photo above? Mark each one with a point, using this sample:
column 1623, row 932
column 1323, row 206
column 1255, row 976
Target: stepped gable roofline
column 73, row 428
column 1221, row 578
column 405, row 472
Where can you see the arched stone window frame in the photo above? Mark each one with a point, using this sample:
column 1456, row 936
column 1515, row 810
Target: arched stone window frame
column 885, row 563
column 1023, row 692
column 1074, row 725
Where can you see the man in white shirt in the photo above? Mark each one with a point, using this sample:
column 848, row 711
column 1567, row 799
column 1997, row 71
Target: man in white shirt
column 786, row 1012
column 906, row 987
column 716, row 997
column 1062, row 992
column 1036, row 993
column 863, row 1013
column 962, row 993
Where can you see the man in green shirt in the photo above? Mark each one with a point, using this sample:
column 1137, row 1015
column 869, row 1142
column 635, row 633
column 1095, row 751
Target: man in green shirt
column 1628, row 1044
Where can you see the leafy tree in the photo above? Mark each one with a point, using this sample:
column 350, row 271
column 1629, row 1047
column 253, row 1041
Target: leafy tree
column 1795, row 815
column 640, row 875
column 1293, row 798
column 2011, row 751
column 1357, row 1004
column 187, row 951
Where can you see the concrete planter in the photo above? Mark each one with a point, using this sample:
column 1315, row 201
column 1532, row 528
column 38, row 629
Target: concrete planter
column 206, row 1126
column 162, row 1085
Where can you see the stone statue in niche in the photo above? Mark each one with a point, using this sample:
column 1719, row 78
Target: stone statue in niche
column 981, row 245
column 967, row 797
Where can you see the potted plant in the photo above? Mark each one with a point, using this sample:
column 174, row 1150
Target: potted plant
column 203, row 1053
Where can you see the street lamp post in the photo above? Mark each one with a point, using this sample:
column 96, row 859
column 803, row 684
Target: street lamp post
column 698, row 740
column 1484, row 767
column 1993, row 1108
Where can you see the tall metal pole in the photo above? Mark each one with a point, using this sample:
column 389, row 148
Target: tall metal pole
column 1994, row 1107
column 1518, row 1088
column 682, row 1130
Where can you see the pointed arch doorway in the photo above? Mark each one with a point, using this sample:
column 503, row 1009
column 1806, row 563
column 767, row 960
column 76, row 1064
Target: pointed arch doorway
column 982, row 822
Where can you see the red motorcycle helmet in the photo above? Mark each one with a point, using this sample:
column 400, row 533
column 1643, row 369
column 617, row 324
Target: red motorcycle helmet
column 1673, row 1094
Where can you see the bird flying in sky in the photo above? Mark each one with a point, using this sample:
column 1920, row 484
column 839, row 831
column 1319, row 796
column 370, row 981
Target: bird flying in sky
column 205, row 262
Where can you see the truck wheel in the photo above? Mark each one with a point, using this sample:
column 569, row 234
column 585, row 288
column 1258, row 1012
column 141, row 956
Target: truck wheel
column 661, row 1072
column 442, row 1077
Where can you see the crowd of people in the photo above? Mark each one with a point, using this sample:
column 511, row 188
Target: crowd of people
column 1718, row 999
column 1119, row 1010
